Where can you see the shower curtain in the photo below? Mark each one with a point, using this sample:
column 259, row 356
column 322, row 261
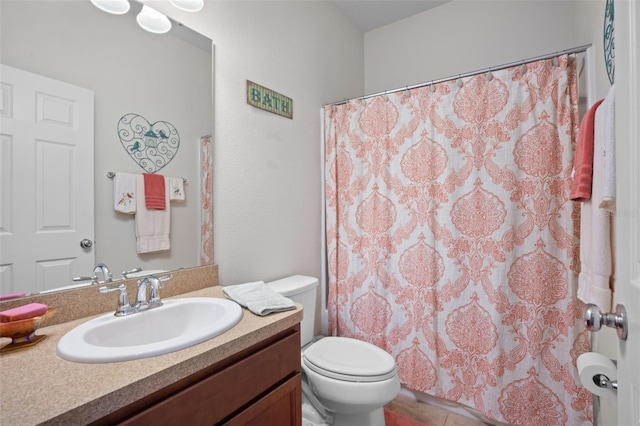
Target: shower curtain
column 451, row 242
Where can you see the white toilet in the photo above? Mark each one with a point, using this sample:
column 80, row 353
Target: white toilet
column 346, row 382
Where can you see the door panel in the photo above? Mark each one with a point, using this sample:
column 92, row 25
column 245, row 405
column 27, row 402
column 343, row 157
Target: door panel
column 46, row 149
column 627, row 39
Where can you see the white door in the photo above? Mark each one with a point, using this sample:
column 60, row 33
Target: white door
column 627, row 44
column 46, row 181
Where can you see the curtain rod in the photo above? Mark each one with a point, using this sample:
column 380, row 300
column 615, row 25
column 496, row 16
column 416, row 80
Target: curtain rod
column 469, row 74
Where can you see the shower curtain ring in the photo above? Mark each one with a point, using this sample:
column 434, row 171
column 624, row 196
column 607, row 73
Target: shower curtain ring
column 459, row 82
column 523, row 68
column 489, row 75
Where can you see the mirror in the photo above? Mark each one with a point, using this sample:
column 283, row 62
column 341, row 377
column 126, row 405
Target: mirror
column 161, row 77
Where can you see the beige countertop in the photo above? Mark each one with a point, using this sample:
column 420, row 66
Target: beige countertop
column 36, row 386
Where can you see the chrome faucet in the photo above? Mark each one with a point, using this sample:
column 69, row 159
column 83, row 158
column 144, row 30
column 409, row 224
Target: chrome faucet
column 143, row 302
column 106, row 275
column 124, row 308
column 153, row 299
column 102, row 268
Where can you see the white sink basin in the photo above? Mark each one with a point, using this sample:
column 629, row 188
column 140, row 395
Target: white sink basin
column 176, row 325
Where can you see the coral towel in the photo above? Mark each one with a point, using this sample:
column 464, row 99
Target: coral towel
column 154, row 191
column 583, row 162
column 23, row 312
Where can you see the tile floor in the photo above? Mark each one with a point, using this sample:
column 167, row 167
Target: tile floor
column 433, row 415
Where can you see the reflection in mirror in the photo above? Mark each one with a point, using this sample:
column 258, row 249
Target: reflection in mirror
column 165, row 77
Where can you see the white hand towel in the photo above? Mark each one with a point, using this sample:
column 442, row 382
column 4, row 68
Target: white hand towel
column 124, row 193
column 177, row 189
column 595, row 232
column 608, row 196
column 258, row 298
column 152, row 225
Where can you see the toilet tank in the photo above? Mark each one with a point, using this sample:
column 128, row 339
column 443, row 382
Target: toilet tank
column 301, row 289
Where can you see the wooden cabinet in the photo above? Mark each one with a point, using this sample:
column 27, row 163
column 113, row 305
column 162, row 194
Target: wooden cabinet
column 259, row 386
column 281, row 407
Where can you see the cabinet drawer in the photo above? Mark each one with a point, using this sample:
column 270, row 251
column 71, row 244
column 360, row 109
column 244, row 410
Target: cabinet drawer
column 227, row 391
column 281, row 407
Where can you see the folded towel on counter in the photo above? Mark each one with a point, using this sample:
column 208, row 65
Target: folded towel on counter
column 608, row 196
column 258, row 298
column 152, row 226
column 154, row 190
column 583, row 160
column 176, row 189
column 23, row 312
column 124, row 193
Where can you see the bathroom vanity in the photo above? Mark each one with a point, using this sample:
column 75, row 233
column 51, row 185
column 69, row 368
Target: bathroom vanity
column 247, row 375
column 237, row 391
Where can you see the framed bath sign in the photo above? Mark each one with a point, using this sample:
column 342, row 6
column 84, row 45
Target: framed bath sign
column 269, row 100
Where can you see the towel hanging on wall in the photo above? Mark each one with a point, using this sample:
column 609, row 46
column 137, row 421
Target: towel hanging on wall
column 152, row 226
column 583, row 160
column 154, row 191
column 124, row 193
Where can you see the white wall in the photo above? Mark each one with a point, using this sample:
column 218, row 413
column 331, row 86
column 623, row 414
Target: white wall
column 463, row 36
column 266, row 167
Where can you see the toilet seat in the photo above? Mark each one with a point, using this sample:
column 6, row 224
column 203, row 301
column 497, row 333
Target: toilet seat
column 349, row 360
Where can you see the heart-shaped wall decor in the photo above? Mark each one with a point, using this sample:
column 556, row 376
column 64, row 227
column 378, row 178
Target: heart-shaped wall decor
column 152, row 146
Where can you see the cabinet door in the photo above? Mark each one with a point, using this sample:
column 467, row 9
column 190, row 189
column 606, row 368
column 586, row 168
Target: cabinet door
column 214, row 398
column 281, row 407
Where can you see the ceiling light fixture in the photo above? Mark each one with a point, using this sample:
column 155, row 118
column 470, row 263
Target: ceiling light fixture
column 116, row 7
column 153, row 21
column 188, row 5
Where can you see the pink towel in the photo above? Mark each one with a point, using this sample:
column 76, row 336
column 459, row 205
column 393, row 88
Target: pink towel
column 154, row 191
column 583, row 161
column 23, row 312
column 11, row 296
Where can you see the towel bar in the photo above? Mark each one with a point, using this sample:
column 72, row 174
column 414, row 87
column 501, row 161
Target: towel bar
column 111, row 175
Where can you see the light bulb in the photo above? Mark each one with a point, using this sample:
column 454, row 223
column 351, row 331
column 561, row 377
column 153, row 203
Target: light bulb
column 188, row 5
column 116, row 7
column 153, row 21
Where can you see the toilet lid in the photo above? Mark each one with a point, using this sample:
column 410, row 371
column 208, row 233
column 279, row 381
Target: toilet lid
column 349, row 359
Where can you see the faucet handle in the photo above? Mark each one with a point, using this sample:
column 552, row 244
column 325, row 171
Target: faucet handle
column 125, row 274
column 124, row 307
column 93, row 279
column 165, row 278
column 156, row 285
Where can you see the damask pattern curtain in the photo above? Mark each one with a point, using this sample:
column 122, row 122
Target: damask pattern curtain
column 451, row 242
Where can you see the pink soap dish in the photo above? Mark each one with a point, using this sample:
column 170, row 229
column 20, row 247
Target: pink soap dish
column 23, row 332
